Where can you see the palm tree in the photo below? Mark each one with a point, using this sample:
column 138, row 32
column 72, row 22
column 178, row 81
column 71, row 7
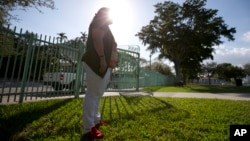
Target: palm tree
column 84, row 36
column 62, row 36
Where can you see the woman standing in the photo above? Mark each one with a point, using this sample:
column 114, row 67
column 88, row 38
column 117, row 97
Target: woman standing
column 100, row 57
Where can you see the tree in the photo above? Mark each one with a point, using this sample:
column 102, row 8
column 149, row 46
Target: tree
column 6, row 6
column 160, row 67
column 14, row 48
column 7, row 42
column 84, row 36
column 62, row 36
column 208, row 70
column 227, row 71
column 190, row 70
column 222, row 70
column 247, row 68
column 237, row 72
column 143, row 62
column 184, row 34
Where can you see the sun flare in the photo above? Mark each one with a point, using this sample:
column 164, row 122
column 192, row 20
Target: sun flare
column 121, row 14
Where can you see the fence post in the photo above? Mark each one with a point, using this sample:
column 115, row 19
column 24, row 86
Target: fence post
column 138, row 73
column 79, row 71
column 26, row 66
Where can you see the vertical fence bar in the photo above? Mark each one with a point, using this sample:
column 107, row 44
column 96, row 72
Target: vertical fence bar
column 47, row 68
column 15, row 61
column 7, row 45
column 46, row 59
column 20, row 45
column 30, row 66
column 138, row 72
column 37, row 51
column 1, row 44
column 41, row 63
column 57, row 68
column 26, row 67
column 79, row 71
column 1, row 57
column 14, row 53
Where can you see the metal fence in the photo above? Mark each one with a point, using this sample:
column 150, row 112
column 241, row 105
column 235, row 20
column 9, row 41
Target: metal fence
column 34, row 67
column 26, row 57
column 152, row 78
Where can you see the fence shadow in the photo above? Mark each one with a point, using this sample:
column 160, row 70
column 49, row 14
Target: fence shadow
column 13, row 125
column 130, row 106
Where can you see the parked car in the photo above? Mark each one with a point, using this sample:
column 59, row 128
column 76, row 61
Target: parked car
column 63, row 79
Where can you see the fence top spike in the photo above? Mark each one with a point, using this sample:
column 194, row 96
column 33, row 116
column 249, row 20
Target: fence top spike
column 15, row 29
column 49, row 38
column 40, row 36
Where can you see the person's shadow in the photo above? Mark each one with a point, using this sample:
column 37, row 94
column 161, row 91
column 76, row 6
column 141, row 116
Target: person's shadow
column 86, row 139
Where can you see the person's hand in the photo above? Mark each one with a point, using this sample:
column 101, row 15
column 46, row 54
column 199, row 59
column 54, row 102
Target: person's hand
column 103, row 65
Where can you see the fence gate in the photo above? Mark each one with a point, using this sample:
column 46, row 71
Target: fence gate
column 34, row 67
column 125, row 77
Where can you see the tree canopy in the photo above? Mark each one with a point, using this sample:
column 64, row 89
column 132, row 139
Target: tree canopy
column 247, row 68
column 62, row 37
column 160, row 67
column 227, row 71
column 208, row 70
column 185, row 34
column 6, row 6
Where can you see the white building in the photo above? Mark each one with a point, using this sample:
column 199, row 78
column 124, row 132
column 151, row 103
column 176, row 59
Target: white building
column 212, row 80
column 246, row 80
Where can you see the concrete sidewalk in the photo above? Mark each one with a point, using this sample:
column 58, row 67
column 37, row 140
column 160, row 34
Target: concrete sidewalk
column 230, row 96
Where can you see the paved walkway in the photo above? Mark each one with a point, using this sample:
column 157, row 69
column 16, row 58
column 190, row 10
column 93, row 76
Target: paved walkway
column 230, row 96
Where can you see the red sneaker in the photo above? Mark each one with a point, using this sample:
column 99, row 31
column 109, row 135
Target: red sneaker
column 101, row 123
column 94, row 134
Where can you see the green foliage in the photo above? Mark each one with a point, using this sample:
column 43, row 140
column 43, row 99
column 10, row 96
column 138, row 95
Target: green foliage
column 185, row 34
column 160, row 67
column 208, row 70
column 14, row 48
column 6, row 6
column 62, row 37
column 247, row 68
column 227, row 71
column 6, row 42
column 129, row 117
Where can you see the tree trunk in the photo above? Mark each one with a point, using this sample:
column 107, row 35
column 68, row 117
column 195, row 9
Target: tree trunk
column 184, row 79
column 209, row 80
column 177, row 71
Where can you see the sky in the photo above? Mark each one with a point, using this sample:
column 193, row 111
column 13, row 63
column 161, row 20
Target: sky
column 129, row 16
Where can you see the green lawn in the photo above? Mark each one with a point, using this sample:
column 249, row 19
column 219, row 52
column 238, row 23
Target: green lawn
column 201, row 88
column 143, row 118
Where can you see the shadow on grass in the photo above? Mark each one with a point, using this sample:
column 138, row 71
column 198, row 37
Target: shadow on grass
column 86, row 139
column 130, row 107
column 219, row 89
column 114, row 109
column 152, row 89
column 16, row 123
column 246, row 95
column 119, row 109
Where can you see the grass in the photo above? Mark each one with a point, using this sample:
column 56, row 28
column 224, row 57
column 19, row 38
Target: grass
column 137, row 118
column 201, row 89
